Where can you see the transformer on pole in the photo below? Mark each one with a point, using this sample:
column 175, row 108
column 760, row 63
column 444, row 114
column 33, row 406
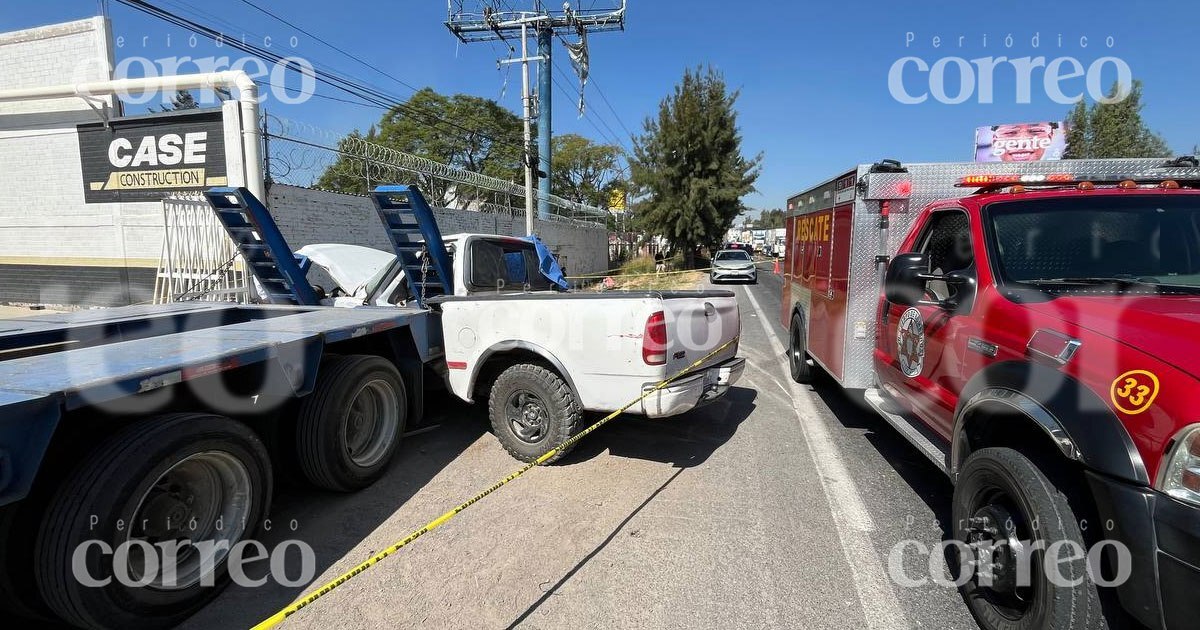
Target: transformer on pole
column 491, row 20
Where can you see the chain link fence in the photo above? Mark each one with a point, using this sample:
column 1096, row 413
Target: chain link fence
column 301, row 154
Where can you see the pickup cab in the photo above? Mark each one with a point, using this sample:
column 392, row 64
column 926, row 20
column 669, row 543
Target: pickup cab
column 538, row 356
column 1035, row 335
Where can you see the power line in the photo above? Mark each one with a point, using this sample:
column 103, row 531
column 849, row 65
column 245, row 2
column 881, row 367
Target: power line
column 333, row 46
column 601, row 93
column 370, row 95
column 609, row 137
column 610, row 107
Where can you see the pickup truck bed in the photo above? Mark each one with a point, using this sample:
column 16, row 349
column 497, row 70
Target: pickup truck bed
column 596, row 340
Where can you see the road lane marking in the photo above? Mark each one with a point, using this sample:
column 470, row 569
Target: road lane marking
column 851, row 518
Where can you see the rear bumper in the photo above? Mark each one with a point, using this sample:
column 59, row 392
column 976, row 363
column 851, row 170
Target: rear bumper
column 692, row 391
column 1163, row 537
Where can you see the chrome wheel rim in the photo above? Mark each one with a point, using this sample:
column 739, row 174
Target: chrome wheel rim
column 206, row 498
column 371, row 423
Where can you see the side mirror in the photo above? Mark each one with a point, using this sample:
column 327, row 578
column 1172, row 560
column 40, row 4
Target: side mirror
column 904, row 282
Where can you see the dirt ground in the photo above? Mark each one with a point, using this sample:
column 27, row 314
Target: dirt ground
column 10, row 312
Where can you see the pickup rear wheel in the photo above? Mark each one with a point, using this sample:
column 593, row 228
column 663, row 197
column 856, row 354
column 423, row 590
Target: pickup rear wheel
column 1012, row 517
column 349, row 427
column 532, row 411
column 140, row 533
column 798, row 352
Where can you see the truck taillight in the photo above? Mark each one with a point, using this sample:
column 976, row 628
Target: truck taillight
column 654, row 339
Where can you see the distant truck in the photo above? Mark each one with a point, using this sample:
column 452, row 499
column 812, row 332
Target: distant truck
column 1031, row 329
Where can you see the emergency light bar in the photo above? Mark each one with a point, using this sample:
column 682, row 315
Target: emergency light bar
column 989, row 183
column 971, row 181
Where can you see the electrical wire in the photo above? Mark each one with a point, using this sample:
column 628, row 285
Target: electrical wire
column 363, row 92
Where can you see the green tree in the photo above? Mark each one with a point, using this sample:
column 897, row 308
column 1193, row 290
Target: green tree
column 688, row 164
column 468, row 132
column 1113, row 129
column 769, row 219
column 1078, row 132
column 585, row 171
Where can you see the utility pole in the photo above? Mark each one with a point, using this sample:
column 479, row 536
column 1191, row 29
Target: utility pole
column 545, row 94
column 488, row 23
column 526, row 117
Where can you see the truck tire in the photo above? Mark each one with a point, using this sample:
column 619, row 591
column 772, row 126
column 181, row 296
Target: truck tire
column 532, row 410
column 798, row 352
column 147, row 485
column 1002, row 496
column 349, row 427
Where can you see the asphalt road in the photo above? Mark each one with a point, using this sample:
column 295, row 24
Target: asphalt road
column 777, row 506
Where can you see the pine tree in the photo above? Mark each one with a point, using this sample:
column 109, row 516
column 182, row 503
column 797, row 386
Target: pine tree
column 1078, row 132
column 688, row 164
column 1113, row 129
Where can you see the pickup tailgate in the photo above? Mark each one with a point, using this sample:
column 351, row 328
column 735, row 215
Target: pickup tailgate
column 699, row 322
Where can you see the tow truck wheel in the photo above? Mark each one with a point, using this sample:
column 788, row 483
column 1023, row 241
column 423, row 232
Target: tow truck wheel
column 798, row 353
column 532, row 410
column 350, row 426
column 1010, row 514
column 139, row 534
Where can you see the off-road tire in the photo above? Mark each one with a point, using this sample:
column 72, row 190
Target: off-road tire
column 324, row 416
column 559, row 403
column 99, row 500
column 1035, row 496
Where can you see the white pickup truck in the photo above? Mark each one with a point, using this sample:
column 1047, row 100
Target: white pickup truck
column 540, row 357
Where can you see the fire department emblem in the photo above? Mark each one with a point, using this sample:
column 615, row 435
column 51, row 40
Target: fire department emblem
column 910, row 342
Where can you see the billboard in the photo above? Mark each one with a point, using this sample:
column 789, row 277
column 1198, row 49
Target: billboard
column 145, row 158
column 1021, row 142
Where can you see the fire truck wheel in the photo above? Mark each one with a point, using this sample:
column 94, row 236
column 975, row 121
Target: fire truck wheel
column 140, row 533
column 349, row 427
column 1026, row 567
column 532, row 410
column 798, row 353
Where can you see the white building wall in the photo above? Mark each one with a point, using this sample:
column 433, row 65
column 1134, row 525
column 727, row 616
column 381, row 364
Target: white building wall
column 53, row 246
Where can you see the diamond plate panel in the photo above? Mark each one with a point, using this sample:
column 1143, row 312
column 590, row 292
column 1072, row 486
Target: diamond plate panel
column 907, row 194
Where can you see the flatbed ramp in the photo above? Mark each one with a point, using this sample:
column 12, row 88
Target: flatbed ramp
column 105, row 371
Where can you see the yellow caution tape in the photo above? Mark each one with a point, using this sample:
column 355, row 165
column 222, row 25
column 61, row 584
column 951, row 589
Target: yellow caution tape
column 617, row 276
column 277, row 618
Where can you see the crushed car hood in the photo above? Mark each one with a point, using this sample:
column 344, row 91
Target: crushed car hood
column 350, row 266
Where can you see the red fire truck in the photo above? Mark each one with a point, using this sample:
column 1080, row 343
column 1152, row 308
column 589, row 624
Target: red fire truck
column 1034, row 330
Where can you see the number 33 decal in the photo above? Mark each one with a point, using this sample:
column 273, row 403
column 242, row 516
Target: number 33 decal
column 1133, row 392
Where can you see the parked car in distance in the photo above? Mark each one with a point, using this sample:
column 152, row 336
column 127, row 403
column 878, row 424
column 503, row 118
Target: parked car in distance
column 733, row 264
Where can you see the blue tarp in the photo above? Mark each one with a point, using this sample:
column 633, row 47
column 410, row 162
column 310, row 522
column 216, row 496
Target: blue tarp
column 548, row 265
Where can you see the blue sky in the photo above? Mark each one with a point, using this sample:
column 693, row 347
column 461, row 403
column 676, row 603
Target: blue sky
column 813, row 76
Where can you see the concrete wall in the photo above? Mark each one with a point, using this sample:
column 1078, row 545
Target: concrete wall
column 309, row 216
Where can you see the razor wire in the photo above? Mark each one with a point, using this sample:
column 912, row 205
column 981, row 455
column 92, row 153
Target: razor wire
column 301, row 154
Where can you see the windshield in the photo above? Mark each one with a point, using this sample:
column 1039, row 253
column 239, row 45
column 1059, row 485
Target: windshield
column 733, row 256
column 1121, row 242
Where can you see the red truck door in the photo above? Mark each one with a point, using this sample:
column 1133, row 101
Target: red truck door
column 925, row 347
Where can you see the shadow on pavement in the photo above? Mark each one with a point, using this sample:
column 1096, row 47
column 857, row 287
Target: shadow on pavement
column 592, row 554
column 923, row 477
column 683, row 441
column 333, row 524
